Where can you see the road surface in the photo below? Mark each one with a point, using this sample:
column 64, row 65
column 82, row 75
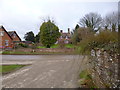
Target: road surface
column 45, row 71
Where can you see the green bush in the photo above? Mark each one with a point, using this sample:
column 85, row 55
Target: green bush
column 23, row 45
column 105, row 39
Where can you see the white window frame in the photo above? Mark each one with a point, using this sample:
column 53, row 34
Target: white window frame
column 61, row 37
column 66, row 41
column 14, row 35
column 66, row 37
column 1, row 33
column 6, row 42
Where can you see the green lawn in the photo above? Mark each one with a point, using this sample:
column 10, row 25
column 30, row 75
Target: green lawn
column 53, row 46
column 69, row 45
column 37, row 53
column 8, row 68
column 57, row 46
column 41, row 47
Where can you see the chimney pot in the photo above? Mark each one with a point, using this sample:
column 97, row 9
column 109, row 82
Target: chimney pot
column 61, row 31
column 68, row 30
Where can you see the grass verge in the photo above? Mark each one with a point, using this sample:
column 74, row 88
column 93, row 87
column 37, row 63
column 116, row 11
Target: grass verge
column 86, row 80
column 69, row 46
column 58, row 46
column 41, row 47
column 37, row 53
column 4, row 69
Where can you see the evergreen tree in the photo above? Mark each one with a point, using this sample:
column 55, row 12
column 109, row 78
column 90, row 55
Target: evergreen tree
column 29, row 36
column 49, row 33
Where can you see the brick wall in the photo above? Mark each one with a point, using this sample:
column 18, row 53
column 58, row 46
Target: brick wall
column 3, row 38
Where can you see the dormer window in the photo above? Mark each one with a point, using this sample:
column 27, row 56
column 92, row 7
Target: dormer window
column 14, row 35
column 66, row 37
column 1, row 33
column 61, row 37
column 6, row 42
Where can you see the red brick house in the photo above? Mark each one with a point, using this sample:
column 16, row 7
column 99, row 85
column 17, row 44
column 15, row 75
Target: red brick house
column 15, row 37
column 8, row 39
column 65, row 37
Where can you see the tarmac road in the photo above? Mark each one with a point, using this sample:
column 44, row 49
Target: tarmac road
column 46, row 71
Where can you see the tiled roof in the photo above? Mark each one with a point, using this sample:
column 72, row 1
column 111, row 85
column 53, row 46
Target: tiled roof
column 5, row 31
column 11, row 33
column 1, row 26
column 65, row 34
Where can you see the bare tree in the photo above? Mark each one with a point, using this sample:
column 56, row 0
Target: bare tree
column 111, row 21
column 47, row 18
column 91, row 20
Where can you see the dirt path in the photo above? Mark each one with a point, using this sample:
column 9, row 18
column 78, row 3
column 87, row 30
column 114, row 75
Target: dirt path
column 48, row 72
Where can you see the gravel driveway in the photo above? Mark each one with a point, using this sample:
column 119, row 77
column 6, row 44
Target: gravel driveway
column 45, row 71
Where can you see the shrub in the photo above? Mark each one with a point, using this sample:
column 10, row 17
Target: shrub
column 23, row 45
column 81, row 33
column 61, row 44
column 105, row 39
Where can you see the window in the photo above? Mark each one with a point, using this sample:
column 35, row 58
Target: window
column 14, row 35
column 66, row 37
column 66, row 41
column 6, row 42
column 1, row 33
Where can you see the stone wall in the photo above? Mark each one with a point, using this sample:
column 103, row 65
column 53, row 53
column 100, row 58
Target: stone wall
column 104, row 68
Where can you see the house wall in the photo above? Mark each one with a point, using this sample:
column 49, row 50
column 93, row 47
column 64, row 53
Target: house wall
column 15, row 38
column 3, row 40
column 65, row 37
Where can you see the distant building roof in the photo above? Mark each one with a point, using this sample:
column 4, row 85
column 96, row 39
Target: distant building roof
column 12, row 32
column 65, row 34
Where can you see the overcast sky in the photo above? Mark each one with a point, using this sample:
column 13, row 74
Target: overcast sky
column 26, row 15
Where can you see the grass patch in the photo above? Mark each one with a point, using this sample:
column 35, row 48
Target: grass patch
column 86, row 80
column 15, row 52
column 84, row 74
column 69, row 45
column 4, row 69
column 55, row 46
column 58, row 46
column 37, row 53
column 41, row 47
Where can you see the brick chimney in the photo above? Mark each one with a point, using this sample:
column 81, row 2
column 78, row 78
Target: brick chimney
column 61, row 31
column 69, row 30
